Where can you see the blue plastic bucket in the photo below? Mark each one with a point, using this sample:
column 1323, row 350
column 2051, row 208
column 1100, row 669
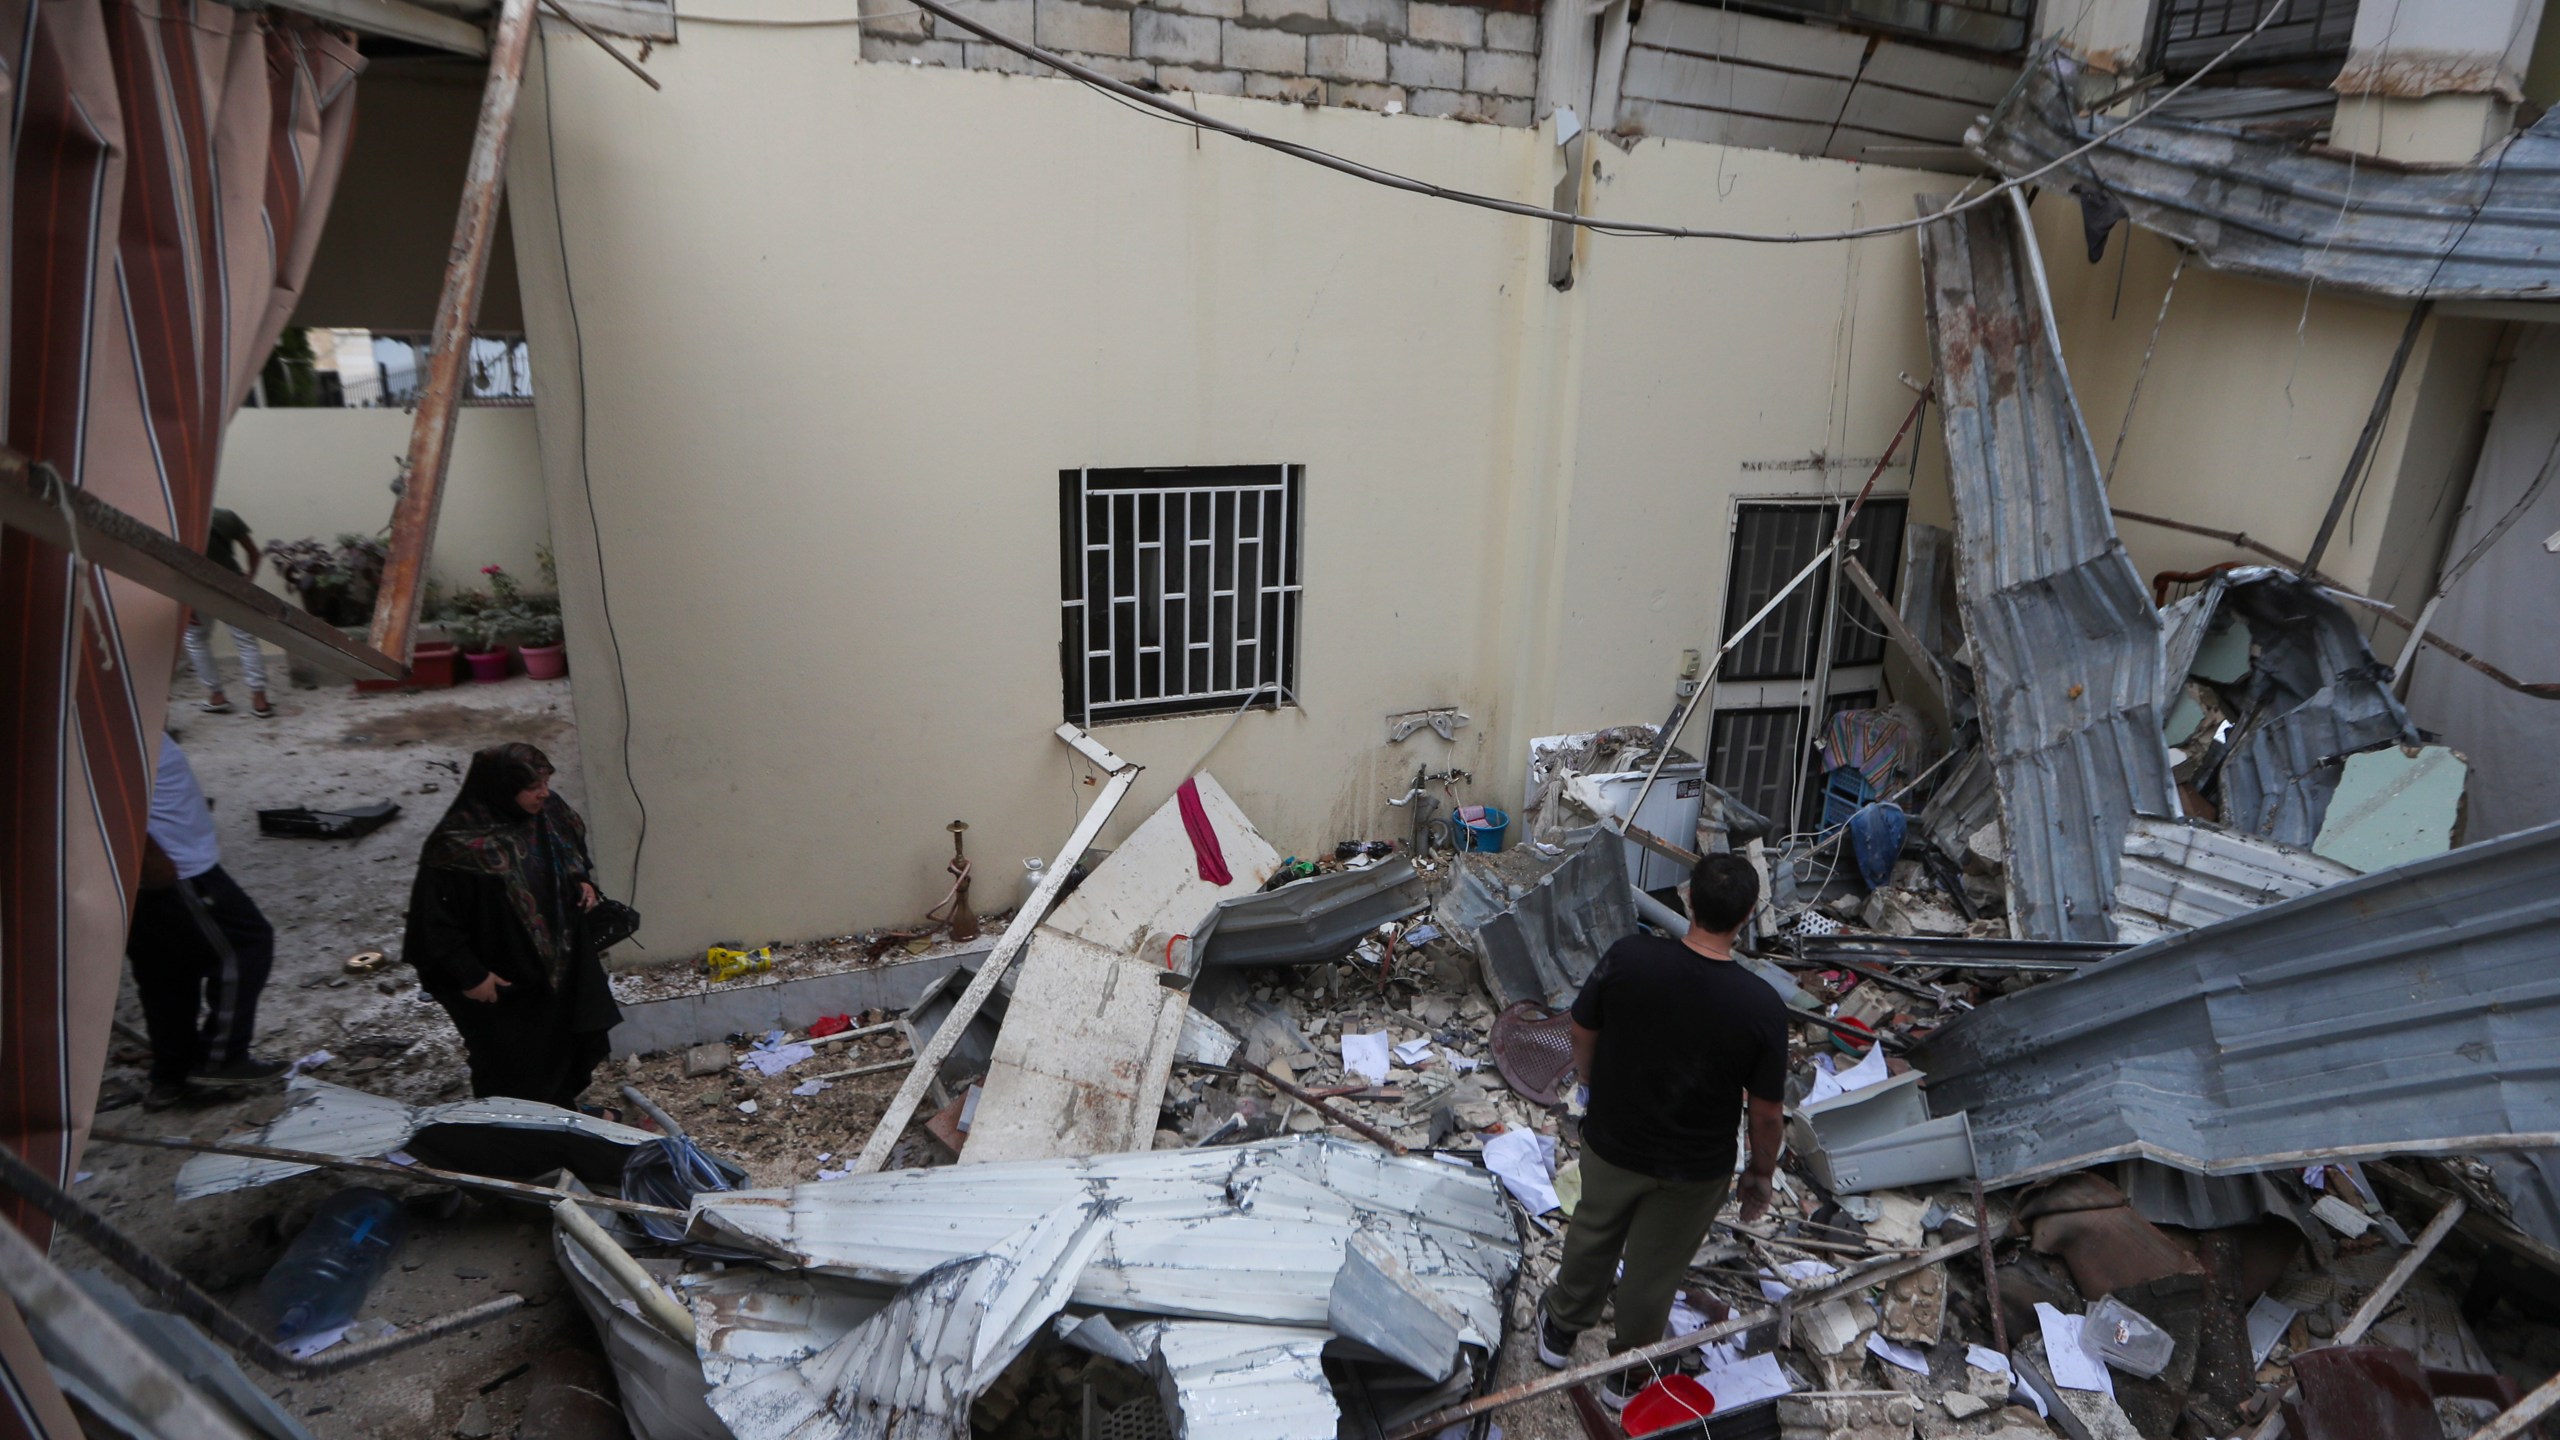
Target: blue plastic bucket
column 1484, row 836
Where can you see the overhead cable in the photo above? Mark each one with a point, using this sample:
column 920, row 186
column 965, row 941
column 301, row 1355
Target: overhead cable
column 1134, row 96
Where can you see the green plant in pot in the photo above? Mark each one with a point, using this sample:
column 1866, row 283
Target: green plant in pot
column 539, row 636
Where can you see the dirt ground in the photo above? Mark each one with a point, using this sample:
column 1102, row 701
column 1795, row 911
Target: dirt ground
column 328, row 900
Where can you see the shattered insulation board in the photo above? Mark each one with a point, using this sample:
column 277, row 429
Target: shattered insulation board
column 2066, row 642
column 1088, row 1040
column 2395, row 804
column 2410, row 1011
column 1081, row 1064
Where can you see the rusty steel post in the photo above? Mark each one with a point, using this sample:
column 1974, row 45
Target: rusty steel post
column 413, row 520
column 964, row 921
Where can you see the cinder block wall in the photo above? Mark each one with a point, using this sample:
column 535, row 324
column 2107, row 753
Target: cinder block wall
column 1462, row 61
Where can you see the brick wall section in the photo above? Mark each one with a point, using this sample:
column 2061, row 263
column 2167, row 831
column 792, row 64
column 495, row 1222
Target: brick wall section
column 1419, row 57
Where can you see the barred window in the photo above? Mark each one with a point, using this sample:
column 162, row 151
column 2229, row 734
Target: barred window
column 1180, row 589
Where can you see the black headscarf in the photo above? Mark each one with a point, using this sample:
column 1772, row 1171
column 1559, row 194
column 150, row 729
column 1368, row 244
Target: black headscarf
column 540, row 858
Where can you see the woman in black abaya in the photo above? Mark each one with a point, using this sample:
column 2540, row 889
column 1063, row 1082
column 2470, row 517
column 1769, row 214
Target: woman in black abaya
column 498, row 931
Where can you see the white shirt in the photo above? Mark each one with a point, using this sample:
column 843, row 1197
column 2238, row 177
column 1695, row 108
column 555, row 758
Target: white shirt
column 181, row 822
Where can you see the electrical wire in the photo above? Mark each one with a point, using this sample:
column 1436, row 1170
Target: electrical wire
column 1182, row 114
column 586, row 476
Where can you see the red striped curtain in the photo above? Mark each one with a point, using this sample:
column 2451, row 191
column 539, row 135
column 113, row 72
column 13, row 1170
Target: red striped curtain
column 169, row 165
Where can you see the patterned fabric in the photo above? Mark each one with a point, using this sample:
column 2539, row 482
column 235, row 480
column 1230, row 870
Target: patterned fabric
column 169, row 162
column 540, row 858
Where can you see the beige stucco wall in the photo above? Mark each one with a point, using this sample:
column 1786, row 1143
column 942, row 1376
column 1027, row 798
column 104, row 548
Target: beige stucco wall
column 295, row 473
column 836, row 327
column 2252, row 408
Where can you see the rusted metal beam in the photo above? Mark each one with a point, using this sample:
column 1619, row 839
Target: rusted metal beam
column 413, row 520
column 35, row 500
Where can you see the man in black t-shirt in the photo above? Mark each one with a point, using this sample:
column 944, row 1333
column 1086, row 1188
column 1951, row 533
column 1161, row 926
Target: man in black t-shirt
column 227, row 540
column 1669, row 1036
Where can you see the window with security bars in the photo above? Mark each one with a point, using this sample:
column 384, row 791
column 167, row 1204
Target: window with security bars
column 1996, row 26
column 1771, row 542
column 2191, row 32
column 1180, row 589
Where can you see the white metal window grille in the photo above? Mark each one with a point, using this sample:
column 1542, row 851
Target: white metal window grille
column 1180, row 589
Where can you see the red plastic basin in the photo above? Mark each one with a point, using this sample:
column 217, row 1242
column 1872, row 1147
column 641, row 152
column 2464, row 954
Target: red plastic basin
column 1670, row 1401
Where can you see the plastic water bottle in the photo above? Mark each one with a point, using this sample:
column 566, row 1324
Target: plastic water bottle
column 330, row 1267
column 1033, row 872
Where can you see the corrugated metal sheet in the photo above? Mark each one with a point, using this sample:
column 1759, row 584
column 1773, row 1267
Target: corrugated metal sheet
column 1545, row 945
column 2412, row 1010
column 1250, row 1233
column 2184, row 874
column 1241, row 1382
column 334, row 1120
column 2317, row 695
column 2066, row 643
column 912, row 1371
column 1312, row 920
column 2280, row 210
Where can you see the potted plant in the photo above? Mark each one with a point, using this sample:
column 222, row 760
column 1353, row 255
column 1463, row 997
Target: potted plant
column 481, row 625
column 540, row 642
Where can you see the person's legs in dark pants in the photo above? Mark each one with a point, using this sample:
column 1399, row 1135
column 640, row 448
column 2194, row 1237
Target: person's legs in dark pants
column 245, row 953
column 1593, row 1240
column 170, row 959
column 1669, row 1223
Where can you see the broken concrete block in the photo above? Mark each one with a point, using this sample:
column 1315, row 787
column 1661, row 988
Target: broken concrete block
column 1377, row 1302
column 1850, row 1417
column 1964, row 1406
column 1915, row 1307
column 704, row 1060
column 1833, row 1327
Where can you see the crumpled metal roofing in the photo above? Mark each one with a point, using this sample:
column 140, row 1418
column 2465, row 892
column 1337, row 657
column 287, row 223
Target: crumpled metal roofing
column 1247, row 1233
column 1309, row 921
column 351, row 1124
column 1241, row 1382
column 2066, row 642
column 912, row 1371
column 2277, row 209
column 1545, row 944
column 2185, row 874
column 2413, row 1010
column 2317, row 694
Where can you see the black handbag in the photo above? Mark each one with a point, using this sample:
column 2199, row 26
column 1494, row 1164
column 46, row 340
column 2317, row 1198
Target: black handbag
column 610, row 922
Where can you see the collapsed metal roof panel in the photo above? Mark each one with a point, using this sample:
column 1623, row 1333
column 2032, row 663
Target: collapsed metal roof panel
column 1309, row 921
column 2066, row 642
column 353, row 1124
column 2184, row 874
column 1242, row 1382
column 2414, row 1010
column 2290, row 212
column 1250, row 1233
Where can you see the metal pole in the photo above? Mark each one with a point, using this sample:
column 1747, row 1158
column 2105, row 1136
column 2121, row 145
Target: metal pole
column 183, row 1297
column 1849, row 1284
column 902, row 1106
column 2363, row 453
column 413, row 520
column 503, row 1189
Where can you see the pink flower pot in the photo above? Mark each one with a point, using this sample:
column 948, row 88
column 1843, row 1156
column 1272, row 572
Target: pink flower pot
column 487, row 666
column 545, row 662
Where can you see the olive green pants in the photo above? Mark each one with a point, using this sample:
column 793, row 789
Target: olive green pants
column 1655, row 1226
